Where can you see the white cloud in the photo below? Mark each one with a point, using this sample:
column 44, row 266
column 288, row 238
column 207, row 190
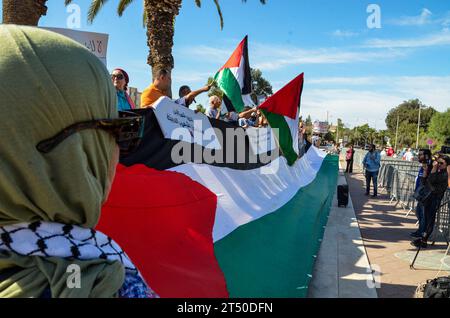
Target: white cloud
column 360, row 105
column 436, row 39
column 208, row 53
column 268, row 57
column 445, row 21
column 344, row 34
column 422, row 19
column 190, row 76
column 354, row 107
column 343, row 81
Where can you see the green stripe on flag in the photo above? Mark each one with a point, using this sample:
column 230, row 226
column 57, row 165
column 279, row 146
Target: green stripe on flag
column 229, row 85
column 283, row 135
column 273, row 256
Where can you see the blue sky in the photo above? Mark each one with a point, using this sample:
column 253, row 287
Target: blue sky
column 353, row 72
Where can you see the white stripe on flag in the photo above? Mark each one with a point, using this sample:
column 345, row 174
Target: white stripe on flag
column 245, row 196
column 293, row 127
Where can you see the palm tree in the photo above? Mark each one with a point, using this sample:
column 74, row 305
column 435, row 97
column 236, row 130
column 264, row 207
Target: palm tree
column 159, row 19
column 24, row 12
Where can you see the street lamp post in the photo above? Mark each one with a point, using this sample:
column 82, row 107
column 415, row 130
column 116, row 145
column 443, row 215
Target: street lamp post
column 396, row 134
column 418, row 128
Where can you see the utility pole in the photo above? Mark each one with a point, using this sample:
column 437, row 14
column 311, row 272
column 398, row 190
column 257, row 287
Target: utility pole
column 337, row 132
column 396, row 134
column 418, row 128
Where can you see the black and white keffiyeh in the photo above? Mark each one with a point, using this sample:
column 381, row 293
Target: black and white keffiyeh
column 49, row 239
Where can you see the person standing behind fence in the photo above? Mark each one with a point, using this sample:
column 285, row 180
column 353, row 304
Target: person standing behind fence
column 408, row 155
column 437, row 183
column 390, row 152
column 350, row 154
column 371, row 163
column 424, row 172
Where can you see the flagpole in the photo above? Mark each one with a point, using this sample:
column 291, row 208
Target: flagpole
column 418, row 128
column 396, row 134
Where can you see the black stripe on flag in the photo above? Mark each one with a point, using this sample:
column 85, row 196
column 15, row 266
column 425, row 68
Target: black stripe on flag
column 247, row 89
column 228, row 103
column 155, row 151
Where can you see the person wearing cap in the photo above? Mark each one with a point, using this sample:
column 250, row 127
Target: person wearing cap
column 187, row 96
column 120, row 81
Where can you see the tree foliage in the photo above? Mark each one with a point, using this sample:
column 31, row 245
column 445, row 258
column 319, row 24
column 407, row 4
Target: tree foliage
column 439, row 129
column 408, row 116
column 215, row 90
column 261, row 87
column 159, row 19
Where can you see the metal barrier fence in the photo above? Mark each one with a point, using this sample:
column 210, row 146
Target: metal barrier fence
column 398, row 179
column 442, row 228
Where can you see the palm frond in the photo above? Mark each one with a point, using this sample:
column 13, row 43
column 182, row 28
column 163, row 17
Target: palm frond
column 94, row 9
column 123, row 4
column 144, row 19
column 262, row 1
column 67, row 2
column 219, row 11
column 198, row 3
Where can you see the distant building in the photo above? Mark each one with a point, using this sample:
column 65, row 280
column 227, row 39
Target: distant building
column 320, row 127
column 135, row 96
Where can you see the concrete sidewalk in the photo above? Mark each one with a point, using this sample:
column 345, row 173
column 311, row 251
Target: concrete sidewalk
column 342, row 269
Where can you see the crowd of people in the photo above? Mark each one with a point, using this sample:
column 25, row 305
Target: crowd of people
column 433, row 180
column 249, row 117
column 407, row 154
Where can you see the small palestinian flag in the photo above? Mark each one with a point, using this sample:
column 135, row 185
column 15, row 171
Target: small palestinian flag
column 282, row 113
column 233, row 228
column 234, row 79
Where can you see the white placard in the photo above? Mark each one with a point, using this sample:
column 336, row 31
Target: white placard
column 97, row 43
column 178, row 122
column 261, row 140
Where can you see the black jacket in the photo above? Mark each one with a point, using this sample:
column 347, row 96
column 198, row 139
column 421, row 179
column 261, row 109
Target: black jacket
column 438, row 182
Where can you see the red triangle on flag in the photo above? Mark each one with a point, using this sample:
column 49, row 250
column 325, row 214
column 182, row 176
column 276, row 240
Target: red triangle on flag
column 235, row 59
column 286, row 101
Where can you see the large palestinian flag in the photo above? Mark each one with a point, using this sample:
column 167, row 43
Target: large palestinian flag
column 234, row 79
column 236, row 228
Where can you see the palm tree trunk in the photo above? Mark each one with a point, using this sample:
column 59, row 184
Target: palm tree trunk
column 24, row 12
column 161, row 16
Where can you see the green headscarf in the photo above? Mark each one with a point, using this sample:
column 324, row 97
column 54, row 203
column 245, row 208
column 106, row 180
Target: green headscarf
column 49, row 82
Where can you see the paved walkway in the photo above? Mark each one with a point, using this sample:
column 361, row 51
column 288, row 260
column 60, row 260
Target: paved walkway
column 385, row 231
column 342, row 269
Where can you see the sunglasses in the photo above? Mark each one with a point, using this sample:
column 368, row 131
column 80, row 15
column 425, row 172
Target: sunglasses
column 128, row 131
column 118, row 76
column 441, row 163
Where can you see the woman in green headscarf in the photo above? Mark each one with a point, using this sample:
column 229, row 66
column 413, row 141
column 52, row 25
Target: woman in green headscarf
column 50, row 200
